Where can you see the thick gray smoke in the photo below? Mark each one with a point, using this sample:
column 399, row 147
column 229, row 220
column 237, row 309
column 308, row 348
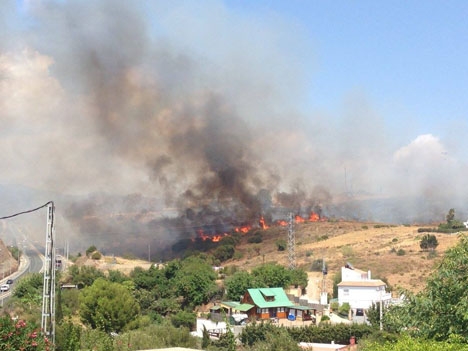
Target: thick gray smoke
column 151, row 121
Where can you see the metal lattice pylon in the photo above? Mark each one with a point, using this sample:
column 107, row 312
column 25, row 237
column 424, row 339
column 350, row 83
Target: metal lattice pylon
column 291, row 243
column 48, row 294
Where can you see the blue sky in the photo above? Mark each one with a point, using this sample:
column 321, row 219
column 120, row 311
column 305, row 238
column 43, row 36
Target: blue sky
column 409, row 57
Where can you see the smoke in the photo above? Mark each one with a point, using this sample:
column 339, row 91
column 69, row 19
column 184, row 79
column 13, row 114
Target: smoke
column 150, row 121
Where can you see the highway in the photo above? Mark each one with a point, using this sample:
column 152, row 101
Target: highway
column 32, row 261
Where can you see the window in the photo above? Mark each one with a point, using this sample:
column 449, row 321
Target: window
column 281, row 309
column 346, row 292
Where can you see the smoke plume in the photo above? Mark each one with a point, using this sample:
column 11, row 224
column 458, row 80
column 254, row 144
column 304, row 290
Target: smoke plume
column 151, row 121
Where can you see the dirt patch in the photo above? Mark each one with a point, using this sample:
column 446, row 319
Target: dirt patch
column 107, row 263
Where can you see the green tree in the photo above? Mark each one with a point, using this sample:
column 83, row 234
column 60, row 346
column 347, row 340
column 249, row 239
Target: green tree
column 67, row 337
column 439, row 311
column 107, row 306
column 237, row 285
column 195, row 281
column 450, row 216
column 84, row 275
column 224, row 252
column 272, row 275
column 206, row 340
column 428, row 242
column 28, row 291
column 299, row 277
column 406, row 343
column 90, row 250
column 184, row 319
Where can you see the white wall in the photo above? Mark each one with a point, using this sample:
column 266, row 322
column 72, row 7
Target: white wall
column 362, row 297
column 351, row 275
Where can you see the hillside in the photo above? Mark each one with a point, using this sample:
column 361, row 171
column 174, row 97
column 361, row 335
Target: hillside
column 367, row 246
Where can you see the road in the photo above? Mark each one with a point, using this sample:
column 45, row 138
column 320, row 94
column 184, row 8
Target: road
column 32, row 261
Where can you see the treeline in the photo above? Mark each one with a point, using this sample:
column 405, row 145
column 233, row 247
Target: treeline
column 146, row 309
column 451, row 225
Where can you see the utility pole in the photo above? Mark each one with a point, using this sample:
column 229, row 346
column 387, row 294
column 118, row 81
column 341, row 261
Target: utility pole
column 291, row 243
column 48, row 293
column 380, row 312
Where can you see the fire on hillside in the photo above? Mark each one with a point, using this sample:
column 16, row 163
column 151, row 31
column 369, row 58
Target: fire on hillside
column 313, row 217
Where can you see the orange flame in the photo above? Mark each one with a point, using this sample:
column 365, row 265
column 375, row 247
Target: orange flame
column 314, row 217
column 282, row 223
column 299, row 219
column 244, row 229
column 214, row 238
column 262, row 223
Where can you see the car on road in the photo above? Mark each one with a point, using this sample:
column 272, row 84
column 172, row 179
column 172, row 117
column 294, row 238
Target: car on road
column 4, row 287
column 9, row 281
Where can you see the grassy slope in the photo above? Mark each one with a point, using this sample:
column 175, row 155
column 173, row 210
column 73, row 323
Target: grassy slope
column 364, row 245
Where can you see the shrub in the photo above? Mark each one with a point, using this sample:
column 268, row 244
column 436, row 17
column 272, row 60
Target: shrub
column 90, row 250
column 20, row 335
column 255, row 239
column 401, row 252
column 281, row 244
column 96, row 255
column 343, row 310
column 317, row 265
column 224, row 252
column 184, row 319
column 428, row 242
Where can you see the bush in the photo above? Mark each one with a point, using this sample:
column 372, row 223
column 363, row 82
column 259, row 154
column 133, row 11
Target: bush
column 281, row 244
column 96, row 255
column 401, row 252
column 317, row 265
column 343, row 310
column 184, row 319
column 428, row 242
column 20, row 335
column 255, row 239
column 224, row 252
column 90, row 250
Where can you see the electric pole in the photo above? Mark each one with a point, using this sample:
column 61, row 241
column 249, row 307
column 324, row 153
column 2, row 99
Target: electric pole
column 48, row 293
column 291, row 243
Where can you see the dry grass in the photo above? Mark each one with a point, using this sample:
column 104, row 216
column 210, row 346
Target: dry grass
column 366, row 246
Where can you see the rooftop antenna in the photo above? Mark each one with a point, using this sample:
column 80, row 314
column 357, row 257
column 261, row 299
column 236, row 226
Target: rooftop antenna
column 291, row 243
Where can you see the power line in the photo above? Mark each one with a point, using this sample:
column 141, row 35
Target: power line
column 28, row 211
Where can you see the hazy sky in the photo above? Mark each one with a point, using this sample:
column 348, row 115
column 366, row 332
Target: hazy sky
column 361, row 96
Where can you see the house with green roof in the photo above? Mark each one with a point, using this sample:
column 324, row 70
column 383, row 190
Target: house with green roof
column 267, row 303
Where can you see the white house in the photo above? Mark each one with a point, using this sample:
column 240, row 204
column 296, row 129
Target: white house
column 359, row 290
